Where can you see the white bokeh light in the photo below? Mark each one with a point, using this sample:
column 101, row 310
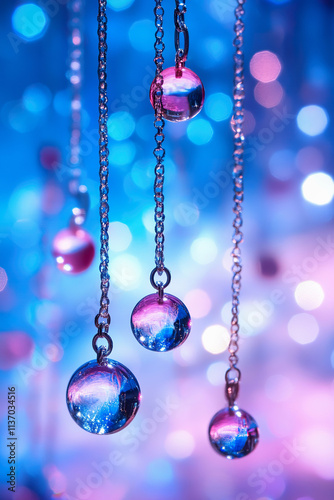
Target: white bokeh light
column 203, row 250
column 198, row 303
column 303, row 328
column 180, row 444
column 309, row 295
column 312, row 120
column 125, row 272
column 120, row 236
column 215, row 339
column 318, row 188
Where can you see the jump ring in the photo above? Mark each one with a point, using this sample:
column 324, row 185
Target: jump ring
column 163, row 285
column 98, row 349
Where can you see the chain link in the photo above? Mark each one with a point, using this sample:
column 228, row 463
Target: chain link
column 180, row 28
column 103, row 317
column 159, row 151
column 233, row 374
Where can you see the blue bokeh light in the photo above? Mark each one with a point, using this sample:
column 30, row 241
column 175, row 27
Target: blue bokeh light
column 140, row 35
column 200, row 131
column 218, row 106
column 122, row 153
column 36, row 98
column 118, row 5
column 30, row 21
column 121, row 125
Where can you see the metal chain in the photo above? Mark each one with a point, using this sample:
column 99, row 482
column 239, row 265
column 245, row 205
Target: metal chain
column 74, row 75
column 102, row 320
column 233, row 374
column 180, row 27
column 159, row 151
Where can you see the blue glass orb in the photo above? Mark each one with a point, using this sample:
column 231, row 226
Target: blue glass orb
column 233, row 432
column 160, row 324
column 103, row 399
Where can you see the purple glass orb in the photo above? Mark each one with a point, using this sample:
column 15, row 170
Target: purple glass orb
column 103, row 399
column 73, row 249
column 233, row 432
column 183, row 94
column 160, row 324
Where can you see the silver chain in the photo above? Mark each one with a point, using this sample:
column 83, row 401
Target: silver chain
column 159, row 151
column 180, row 27
column 233, row 373
column 102, row 319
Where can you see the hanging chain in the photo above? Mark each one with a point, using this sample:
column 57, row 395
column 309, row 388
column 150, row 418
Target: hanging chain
column 233, row 373
column 74, row 75
column 102, row 320
column 159, row 151
column 180, row 27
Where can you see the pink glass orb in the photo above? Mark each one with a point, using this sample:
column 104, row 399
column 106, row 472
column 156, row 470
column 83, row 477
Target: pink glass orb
column 183, row 94
column 74, row 250
column 233, row 432
column 160, row 324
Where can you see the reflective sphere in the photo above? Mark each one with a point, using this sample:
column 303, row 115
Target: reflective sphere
column 183, row 94
column 73, row 249
column 160, row 325
column 233, row 432
column 103, row 399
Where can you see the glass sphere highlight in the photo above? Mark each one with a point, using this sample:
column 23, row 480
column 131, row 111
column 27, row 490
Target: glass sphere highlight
column 233, row 432
column 73, row 249
column 160, row 324
column 183, row 94
column 103, row 399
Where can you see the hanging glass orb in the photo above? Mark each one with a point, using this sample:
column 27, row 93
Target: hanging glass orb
column 103, row 399
column 160, row 324
column 233, row 432
column 73, row 249
column 183, row 94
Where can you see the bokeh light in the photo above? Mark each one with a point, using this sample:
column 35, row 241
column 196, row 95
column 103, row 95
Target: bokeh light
column 125, row 272
column 204, row 250
column 36, row 98
column 118, row 5
column 265, row 66
column 121, row 125
column 218, row 106
column 309, row 295
column 120, row 236
column 268, row 94
column 215, row 339
column 318, row 188
column 312, row 120
column 303, row 328
column 198, row 303
column 199, row 131
column 180, row 444
column 122, row 153
column 282, row 164
column 29, row 21
column 140, row 35
column 216, row 373
column 3, row 279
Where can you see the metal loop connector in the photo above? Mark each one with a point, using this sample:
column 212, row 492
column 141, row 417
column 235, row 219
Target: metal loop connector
column 159, row 285
column 104, row 323
column 232, row 379
column 101, row 351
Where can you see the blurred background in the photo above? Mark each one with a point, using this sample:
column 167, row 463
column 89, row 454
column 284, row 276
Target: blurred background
column 287, row 346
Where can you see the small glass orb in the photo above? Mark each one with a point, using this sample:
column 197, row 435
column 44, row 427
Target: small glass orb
column 73, row 249
column 233, row 432
column 103, row 399
column 183, row 94
column 160, row 324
